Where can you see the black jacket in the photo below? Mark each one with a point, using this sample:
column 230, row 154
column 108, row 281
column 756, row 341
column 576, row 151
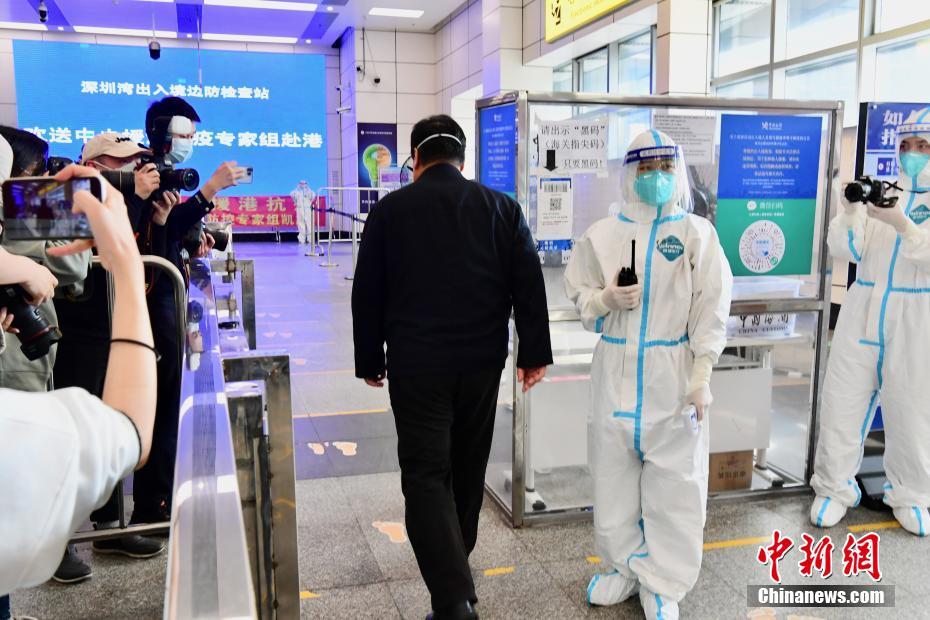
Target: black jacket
column 441, row 263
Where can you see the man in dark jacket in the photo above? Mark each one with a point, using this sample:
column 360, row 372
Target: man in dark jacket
column 441, row 265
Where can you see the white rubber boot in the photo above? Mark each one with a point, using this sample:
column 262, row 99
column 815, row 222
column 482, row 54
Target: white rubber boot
column 611, row 588
column 826, row 512
column 657, row 607
column 914, row 519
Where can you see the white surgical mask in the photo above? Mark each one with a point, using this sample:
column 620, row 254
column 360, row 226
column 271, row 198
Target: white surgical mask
column 181, row 150
column 127, row 167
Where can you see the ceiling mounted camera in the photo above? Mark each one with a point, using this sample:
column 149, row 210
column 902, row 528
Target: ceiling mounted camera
column 43, row 11
column 154, row 49
column 377, row 80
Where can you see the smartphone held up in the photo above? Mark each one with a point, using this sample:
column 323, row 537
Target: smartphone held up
column 41, row 207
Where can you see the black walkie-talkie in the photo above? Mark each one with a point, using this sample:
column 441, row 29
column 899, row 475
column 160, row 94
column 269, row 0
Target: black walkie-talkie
column 627, row 276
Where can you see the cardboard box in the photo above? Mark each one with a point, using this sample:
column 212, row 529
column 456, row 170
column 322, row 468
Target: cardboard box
column 730, row 471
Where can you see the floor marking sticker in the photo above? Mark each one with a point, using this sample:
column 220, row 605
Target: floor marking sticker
column 395, row 532
column 317, row 448
column 503, row 570
column 348, row 448
column 307, row 594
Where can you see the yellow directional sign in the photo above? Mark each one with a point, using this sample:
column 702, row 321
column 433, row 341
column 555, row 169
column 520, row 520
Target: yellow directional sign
column 565, row 16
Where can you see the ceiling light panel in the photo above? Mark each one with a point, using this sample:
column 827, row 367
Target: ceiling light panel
column 129, row 32
column 248, row 38
column 384, row 12
column 263, row 4
column 20, row 26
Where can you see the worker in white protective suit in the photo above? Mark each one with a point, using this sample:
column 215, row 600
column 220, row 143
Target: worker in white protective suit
column 880, row 347
column 659, row 341
column 304, row 198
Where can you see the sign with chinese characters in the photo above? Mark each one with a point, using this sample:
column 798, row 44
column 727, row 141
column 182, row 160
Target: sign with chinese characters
column 570, row 146
column 252, row 109
column 694, row 134
column 566, row 16
column 497, row 148
column 377, row 150
column 554, row 209
column 767, row 192
column 257, row 212
column 880, row 158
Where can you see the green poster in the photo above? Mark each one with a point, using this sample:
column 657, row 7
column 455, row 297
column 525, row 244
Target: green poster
column 767, row 192
column 767, row 237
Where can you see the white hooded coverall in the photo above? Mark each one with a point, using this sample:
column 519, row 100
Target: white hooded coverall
column 650, row 472
column 303, row 198
column 881, row 350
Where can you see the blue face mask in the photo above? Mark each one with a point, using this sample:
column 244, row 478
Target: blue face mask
column 655, row 188
column 913, row 163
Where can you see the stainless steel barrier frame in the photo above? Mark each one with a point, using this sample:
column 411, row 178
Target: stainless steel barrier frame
column 209, row 574
column 820, row 304
column 228, row 267
column 272, row 368
column 355, row 231
column 180, row 300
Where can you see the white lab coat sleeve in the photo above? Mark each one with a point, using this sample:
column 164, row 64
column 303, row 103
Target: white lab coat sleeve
column 584, row 283
column 711, row 293
column 915, row 246
column 78, row 449
column 848, row 234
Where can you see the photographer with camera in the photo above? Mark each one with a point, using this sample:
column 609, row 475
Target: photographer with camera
column 29, row 367
column 77, row 446
column 83, row 355
column 170, row 127
column 879, row 347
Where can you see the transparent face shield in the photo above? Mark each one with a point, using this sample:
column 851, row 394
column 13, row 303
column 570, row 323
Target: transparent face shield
column 656, row 176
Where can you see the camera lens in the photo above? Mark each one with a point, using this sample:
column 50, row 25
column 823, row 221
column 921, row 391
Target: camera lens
column 179, row 179
column 857, row 191
column 189, row 180
column 124, row 182
column 221, row 240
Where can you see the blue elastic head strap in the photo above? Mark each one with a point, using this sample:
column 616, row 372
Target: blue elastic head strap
column 651, row 153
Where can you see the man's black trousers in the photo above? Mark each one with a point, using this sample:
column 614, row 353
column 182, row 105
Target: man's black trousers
column 444, row 424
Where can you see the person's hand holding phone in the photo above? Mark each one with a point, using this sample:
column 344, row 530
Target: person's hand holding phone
column 147, row 180
column 113, row 236
column 227, row 175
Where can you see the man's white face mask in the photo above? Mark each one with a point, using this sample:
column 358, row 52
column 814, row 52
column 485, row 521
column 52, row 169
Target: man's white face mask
column 181, row 130
column 181, row 149
column 127, row 167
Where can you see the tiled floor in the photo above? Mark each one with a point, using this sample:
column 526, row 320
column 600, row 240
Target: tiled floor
column 349, row 502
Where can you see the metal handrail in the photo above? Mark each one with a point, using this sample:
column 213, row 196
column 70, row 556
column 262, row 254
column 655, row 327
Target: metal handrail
column 354, row 218
column 180, row 300
column 209, row 573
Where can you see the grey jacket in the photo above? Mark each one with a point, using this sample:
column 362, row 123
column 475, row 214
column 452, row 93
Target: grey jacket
column 17, row 372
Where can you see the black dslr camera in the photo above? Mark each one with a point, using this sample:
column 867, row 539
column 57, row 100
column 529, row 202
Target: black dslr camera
column 867, row 189
column 36, row 334
column 170, row 178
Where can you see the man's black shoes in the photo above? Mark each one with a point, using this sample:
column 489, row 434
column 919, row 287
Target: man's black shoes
column 462, row 611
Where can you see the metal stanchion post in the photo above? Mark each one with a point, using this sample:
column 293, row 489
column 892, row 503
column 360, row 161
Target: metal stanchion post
column 358, row 210
column 329, row 242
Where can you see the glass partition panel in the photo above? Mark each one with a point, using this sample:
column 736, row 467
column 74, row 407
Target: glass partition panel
column 761, row 175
